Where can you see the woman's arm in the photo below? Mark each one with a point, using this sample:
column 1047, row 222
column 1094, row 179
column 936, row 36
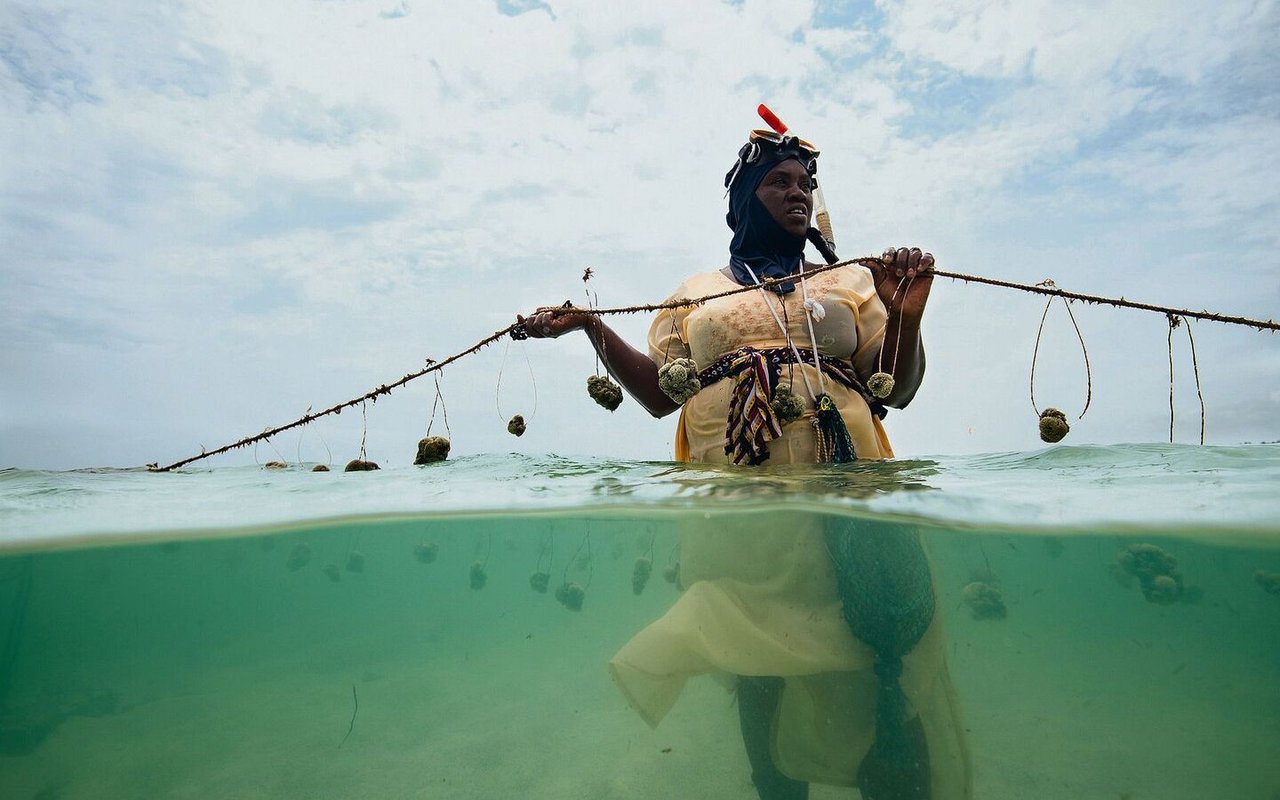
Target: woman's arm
column 903, row 286
column 631, row 368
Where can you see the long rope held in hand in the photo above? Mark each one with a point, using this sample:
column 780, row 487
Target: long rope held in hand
column 868, row 261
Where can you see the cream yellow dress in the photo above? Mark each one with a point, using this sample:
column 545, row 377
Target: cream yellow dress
column 760, row 594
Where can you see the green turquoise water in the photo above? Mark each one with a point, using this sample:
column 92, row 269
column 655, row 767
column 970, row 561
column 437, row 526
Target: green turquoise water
column 240, row 632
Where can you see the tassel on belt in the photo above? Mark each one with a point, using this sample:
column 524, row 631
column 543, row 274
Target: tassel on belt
column 752, row 422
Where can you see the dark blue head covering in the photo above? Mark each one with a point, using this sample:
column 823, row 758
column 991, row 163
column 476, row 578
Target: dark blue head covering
column 758, row 239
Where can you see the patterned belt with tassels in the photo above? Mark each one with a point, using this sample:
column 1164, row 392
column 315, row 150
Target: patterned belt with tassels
column 752, row 421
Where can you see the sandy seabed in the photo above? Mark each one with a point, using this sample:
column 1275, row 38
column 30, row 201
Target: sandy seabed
column 430, row 726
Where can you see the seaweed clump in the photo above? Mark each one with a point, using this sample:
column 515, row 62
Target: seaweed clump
column 539, row 581
column 1053, row 425
column 984, row 601
column 671, row 572
column 678, row 379
column 360, row 465
column 355, row 561
column 299, row 557
column 571, row 595
column 640, row 574
column 431, row 450
column 604, row 391
column 786, row 405
column 320, row 468
column 880, row 385
column 332, row 572
column 478, row 576
column 1156, row 571
column 426, row 552
column 1269, row 581
column 516, row 426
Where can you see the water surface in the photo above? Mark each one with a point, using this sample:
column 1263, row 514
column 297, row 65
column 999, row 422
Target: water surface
column 240, row 632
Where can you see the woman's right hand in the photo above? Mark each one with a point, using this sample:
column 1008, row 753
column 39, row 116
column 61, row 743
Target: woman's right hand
column 550, row 322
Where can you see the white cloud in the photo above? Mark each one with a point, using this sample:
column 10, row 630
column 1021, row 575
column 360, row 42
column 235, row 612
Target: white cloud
column 285, row 204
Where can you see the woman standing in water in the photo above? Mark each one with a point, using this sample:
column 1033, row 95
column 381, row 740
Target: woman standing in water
column 830, row 630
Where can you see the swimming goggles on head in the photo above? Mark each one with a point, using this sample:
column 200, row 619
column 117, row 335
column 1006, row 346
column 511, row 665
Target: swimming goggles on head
column 761, row 137
column 766, row 143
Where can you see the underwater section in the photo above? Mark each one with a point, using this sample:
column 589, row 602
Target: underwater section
column 464, row 656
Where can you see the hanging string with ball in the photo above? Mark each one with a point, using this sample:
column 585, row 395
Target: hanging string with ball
column 277, row 463
column 297, row 449
column 362, row 464
column 434, row 448
column 1174, row 322
column 881, row 383
column 517, row 424
column 327, row 453
column 355, row 558
column 671, row 570
column 831, row 434
column 677, row 378
column 785, row 402
column 1053, row 422
column 540, row 578
column 643, row 567
column 569, row 593
column 478, row 577
column 600, row 388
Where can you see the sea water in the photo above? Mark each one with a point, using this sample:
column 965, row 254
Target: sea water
column 242, row 633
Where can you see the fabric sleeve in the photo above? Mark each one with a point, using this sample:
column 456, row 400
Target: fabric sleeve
column 870, row 316
column 667, row 337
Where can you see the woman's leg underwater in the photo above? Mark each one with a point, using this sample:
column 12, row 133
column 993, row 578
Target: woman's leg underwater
column 757, row 706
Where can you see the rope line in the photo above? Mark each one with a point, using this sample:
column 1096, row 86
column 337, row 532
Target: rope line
column 870, row 261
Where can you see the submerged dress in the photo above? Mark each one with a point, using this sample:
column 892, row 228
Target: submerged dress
column 760, row 595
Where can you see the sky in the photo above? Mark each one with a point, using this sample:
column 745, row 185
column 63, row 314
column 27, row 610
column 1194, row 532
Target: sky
column 215, row 215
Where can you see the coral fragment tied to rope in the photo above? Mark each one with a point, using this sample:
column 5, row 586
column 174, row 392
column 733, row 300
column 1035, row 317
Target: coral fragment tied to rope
column 605, row 392
column 678, row 379
column 431, row 450
column 516, row 426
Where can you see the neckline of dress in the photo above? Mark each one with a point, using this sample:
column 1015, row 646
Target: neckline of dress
column 726, row 273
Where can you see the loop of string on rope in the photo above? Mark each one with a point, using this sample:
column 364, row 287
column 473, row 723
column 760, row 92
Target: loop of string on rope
column 1176, row 320
column 439, row 401
column 1088, row 372
column 364, row 429
column 497, row 390
column 517, row 331
column 897, row 341
column 593, row 301
column 573, row 561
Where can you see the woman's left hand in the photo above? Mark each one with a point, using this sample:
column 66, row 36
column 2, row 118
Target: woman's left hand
column 904, row 282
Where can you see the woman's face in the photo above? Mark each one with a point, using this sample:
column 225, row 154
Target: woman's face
column 787, row 192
